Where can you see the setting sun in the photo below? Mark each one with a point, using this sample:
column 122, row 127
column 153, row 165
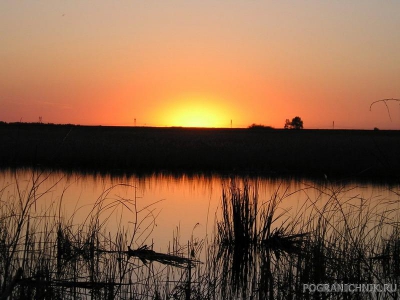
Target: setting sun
column 195, row 118
column 196, row 111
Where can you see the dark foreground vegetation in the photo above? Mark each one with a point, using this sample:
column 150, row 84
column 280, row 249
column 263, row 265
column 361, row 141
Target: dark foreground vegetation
column 268, row 253
column 257, row 251
column 334, row 153
column 47, row 254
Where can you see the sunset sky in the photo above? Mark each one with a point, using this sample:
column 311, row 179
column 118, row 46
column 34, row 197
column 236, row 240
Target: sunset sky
column 200, row 63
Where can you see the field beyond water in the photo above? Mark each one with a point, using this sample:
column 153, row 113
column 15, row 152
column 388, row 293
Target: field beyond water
column 351, row 154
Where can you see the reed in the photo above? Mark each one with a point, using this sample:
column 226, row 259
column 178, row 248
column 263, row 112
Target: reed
column 239, row 212
column 245, row 222
column 345, row 239
column 258, row 249
column 44, row 255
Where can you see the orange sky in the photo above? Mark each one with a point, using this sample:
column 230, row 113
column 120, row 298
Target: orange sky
column 200, row 63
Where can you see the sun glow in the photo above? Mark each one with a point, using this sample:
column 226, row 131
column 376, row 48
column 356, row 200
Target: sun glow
column 196, row 112
column 196, row 116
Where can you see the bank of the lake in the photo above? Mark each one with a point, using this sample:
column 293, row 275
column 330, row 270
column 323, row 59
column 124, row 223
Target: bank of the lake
column 355, row 154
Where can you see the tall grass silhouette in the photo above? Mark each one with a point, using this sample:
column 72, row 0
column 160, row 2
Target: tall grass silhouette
column 331, row 239
column 46, row 255
column 260, row 248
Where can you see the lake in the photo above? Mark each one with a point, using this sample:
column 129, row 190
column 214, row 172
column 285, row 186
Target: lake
column 166, row 211
column 176, row 201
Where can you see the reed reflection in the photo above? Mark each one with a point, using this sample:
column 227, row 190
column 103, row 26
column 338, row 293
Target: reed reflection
column 191, row 236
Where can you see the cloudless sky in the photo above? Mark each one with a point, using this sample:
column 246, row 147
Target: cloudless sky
column 200, row 63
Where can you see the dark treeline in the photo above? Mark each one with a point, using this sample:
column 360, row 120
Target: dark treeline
column 317, row 153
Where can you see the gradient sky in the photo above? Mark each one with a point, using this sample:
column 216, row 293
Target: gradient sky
column 200, row 63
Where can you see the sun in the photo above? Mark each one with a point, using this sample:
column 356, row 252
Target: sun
column 196, row 111
column 196, row 116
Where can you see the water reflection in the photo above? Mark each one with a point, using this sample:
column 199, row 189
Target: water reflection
column 182, row 201
column 178, row 202
column 341, row 239
column 319, row 231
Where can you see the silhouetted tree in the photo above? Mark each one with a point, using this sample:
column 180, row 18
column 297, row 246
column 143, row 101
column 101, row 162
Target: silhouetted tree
column 296, row 123
column 288, row 124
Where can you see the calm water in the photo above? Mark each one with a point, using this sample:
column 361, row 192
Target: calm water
column 168, row 206
column 329, row 231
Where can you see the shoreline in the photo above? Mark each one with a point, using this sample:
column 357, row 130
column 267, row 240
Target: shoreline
column 354, row 154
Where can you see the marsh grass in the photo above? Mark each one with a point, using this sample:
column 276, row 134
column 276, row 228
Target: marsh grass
column 46, row 255
column 260, row 249
column 239, row 211
column 331, row 238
